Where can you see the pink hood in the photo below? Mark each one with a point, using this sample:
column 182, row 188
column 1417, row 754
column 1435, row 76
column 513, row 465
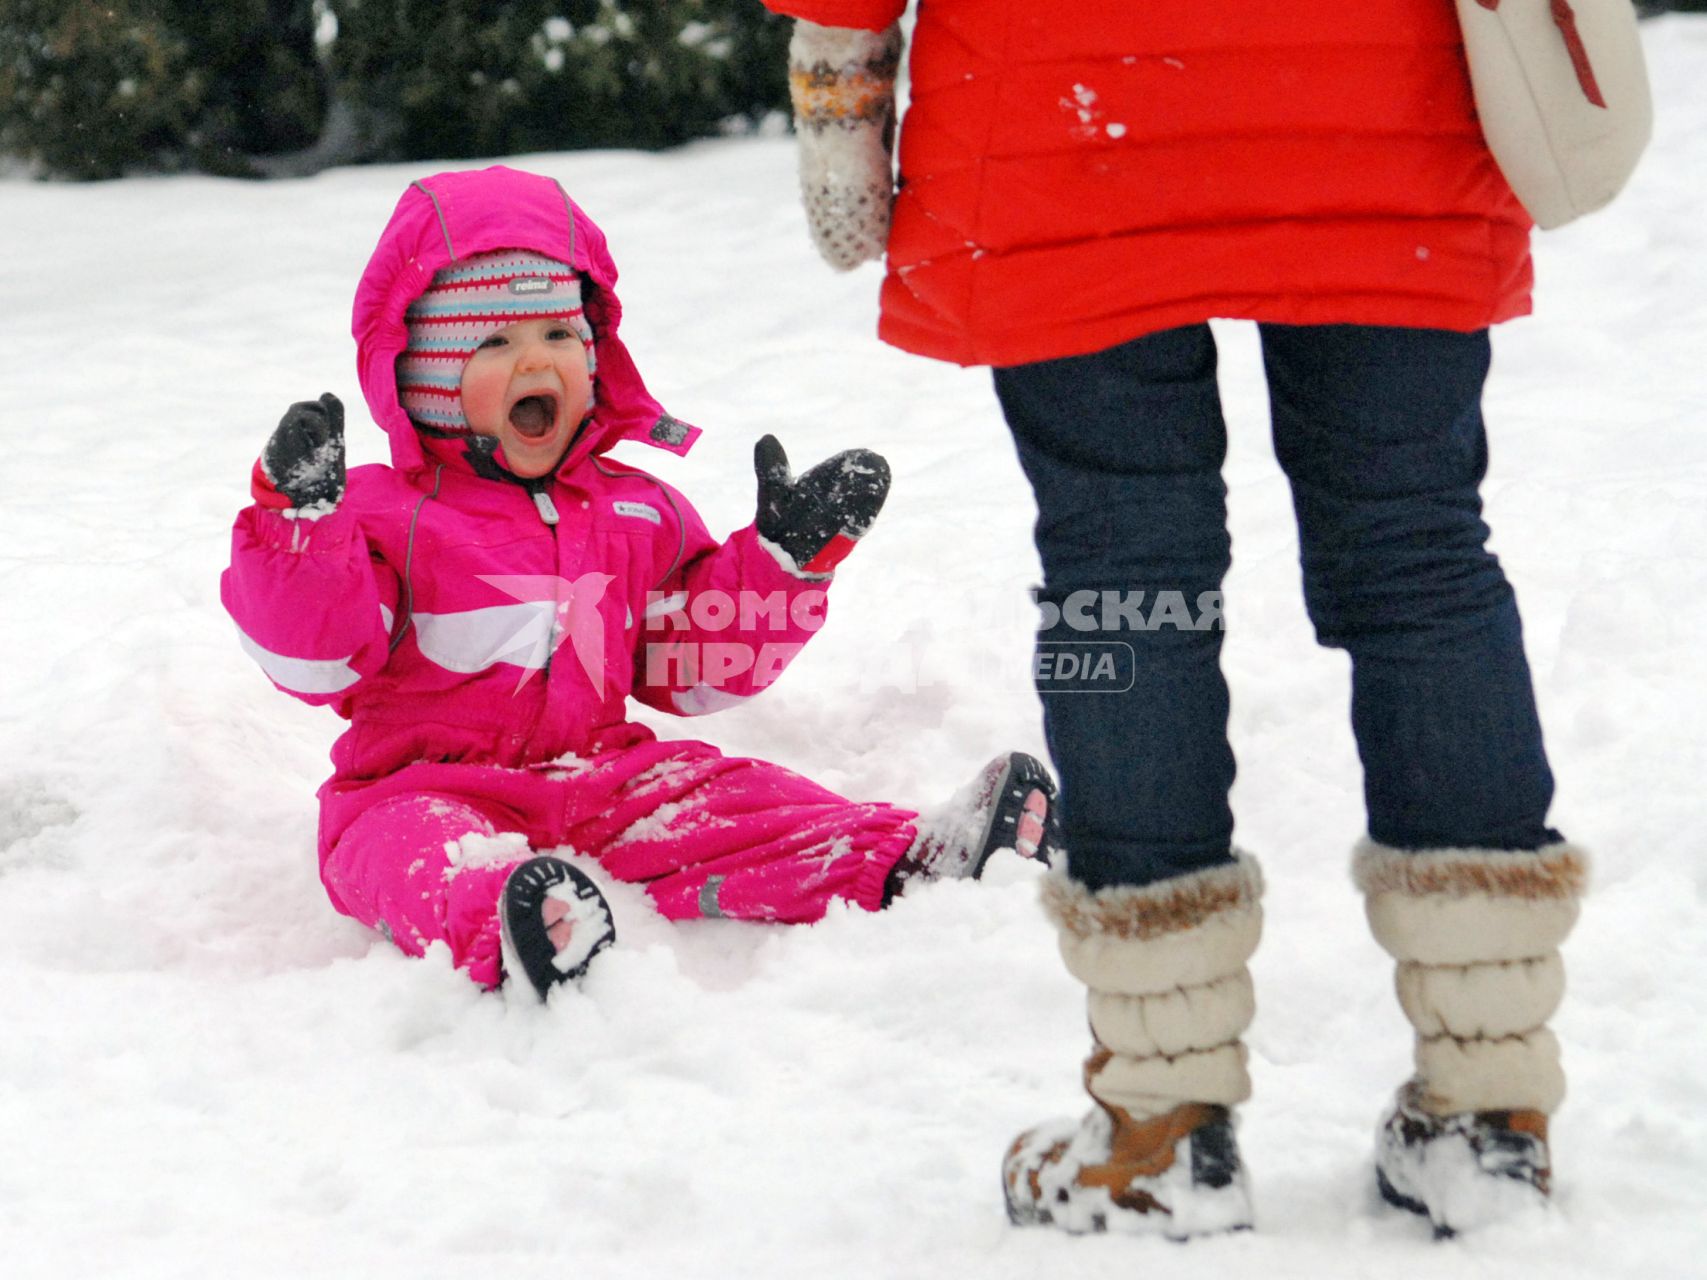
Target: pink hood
column 451, row 216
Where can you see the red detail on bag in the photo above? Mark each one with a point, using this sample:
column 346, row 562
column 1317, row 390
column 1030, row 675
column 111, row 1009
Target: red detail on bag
column 261, row 489
column 832, row 555
column 1565, row 18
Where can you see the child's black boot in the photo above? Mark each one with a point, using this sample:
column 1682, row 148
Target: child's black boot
column 554, row 921
column 1009, row 805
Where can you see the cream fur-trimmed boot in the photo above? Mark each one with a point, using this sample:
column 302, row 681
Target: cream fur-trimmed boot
column 1170, row 997
column 1476, row 933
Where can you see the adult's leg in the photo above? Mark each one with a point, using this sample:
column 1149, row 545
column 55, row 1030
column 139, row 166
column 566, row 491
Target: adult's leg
column 1157, row 916
column 1380, row 432
column 1124, row 451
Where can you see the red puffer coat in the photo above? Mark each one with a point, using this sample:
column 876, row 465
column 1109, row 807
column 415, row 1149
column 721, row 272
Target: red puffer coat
column 1075, row 175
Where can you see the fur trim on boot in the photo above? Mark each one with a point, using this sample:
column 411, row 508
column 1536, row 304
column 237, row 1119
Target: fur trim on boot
column 1476, row 934
column 1170, row 997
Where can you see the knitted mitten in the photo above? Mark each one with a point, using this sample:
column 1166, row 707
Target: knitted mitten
column 1476, row 933
column 1170, row 997
column 842, row 82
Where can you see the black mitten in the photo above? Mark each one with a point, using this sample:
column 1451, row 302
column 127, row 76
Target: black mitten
column 817, row 517
column 305, row 457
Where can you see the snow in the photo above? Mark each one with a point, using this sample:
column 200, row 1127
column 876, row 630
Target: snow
column 1465, row 1182
column 203, row 1068
column 951, row 832
column 589, row 925
column 474, row 850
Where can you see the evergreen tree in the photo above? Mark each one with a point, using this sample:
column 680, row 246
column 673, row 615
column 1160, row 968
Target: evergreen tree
column 492, row 77
column 95, row 89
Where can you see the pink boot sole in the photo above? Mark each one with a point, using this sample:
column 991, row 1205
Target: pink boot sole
column 1022, row 804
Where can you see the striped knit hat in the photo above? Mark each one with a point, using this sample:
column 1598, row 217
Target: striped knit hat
column 468, row 302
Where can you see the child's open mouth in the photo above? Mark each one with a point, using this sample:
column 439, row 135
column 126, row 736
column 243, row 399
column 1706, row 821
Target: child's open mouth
column 534, row 416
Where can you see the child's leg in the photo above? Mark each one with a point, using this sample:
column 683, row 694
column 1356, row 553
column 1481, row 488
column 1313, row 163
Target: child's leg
column 392, row 870
column 712, row 835
column 1380, row 431
column 1124, row 450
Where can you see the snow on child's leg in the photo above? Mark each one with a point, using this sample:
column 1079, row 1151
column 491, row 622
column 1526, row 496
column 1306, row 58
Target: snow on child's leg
column 713, row 835
column 424, row 869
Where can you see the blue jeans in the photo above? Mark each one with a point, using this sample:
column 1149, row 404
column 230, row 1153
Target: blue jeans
column 1380, row 432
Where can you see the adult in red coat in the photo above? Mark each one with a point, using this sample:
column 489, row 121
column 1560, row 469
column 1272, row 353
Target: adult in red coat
column 1081, row 188
column 1074, row 176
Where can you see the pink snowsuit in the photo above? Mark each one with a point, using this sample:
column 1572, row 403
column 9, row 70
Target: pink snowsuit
column 482, row 640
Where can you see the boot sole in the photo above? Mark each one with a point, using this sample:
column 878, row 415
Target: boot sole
column 521, row 922
column 1023, row 776
column 1399, row 1200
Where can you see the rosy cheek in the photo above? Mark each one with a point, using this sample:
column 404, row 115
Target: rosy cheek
column 480, row 396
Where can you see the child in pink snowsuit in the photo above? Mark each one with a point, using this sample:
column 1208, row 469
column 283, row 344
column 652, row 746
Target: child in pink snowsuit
column 481, row 610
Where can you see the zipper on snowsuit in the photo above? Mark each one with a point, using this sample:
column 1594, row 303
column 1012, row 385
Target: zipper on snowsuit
column 542, row 502
column 540, row 490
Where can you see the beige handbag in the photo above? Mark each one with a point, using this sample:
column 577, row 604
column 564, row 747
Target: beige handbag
column 1562, row 90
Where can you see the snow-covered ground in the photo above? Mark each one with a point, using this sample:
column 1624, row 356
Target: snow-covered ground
column 204, row 1070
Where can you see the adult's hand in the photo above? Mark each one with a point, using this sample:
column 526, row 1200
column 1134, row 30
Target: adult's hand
column 842, row 82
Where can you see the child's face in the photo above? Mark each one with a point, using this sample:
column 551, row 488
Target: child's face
column 528, row 385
